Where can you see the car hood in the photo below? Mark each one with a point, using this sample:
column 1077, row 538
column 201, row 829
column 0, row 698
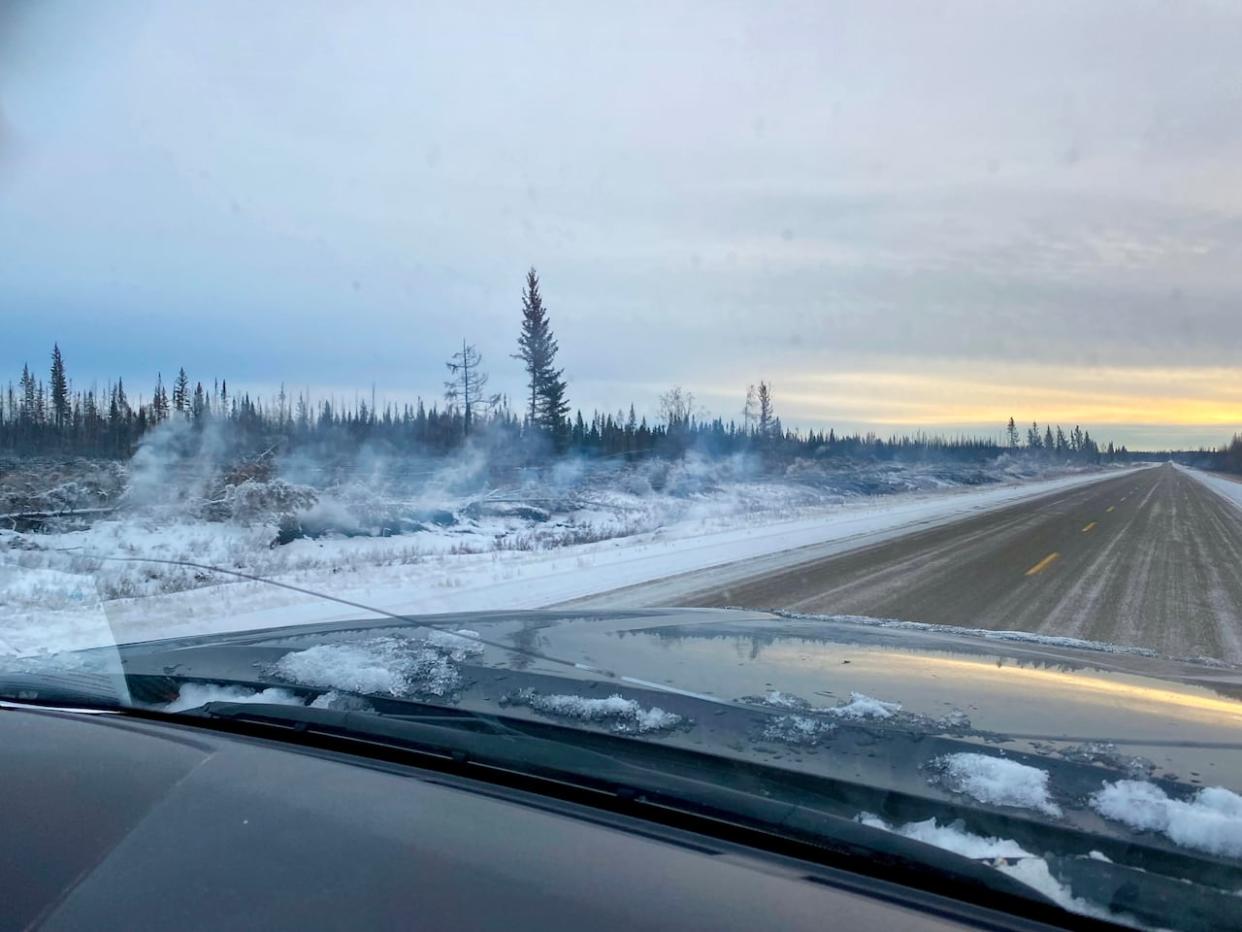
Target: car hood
column 872, row 712
column 1059, row 698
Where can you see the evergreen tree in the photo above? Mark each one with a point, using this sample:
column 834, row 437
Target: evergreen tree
column 26, row 413
column 1012, row 431
column 767, row 416
column 60, row 390
column 159, row 400
column 547, row 407
column 198, row 404
column 181, row 392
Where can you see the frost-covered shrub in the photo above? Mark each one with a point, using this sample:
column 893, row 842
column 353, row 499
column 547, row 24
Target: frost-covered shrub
column 255, row 501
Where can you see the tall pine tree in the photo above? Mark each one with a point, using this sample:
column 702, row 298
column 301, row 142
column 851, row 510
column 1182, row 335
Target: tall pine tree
column 547, row 407
column 60, row 390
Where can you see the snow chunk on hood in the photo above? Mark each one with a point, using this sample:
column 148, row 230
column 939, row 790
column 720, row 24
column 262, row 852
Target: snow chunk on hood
column 997, row 781
column 1025, row 867
column 860, row 707
column 780, row 700
column 1211, row 821
column 620, row 714
column 459, row 644
column 387, row 665
column 193, row 695
column 797, row 729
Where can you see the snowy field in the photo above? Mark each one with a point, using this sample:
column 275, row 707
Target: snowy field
column 534, row 545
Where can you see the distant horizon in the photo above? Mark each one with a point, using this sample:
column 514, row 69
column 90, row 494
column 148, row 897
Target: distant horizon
column 1137, row 437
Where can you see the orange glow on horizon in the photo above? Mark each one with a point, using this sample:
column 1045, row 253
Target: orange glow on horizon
column 990, row 395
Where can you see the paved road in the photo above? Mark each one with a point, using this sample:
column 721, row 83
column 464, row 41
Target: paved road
column 1152, row 558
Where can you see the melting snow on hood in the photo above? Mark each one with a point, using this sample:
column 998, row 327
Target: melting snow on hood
column 385, row 665
column 797, row 729
column 620, row 714
column 1209, row 821
column 1025, row 867
column 193, row 695
column 997, row 781
column 861, row 706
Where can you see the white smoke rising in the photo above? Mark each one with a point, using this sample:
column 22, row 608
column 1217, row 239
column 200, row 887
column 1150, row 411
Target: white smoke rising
column 174, row 464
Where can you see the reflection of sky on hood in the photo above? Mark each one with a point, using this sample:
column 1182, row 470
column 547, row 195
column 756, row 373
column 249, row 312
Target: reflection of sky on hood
column 1001, row 694
column 902, row 215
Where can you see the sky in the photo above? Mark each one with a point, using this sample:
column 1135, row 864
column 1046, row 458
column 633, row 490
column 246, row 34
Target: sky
column 914, row 215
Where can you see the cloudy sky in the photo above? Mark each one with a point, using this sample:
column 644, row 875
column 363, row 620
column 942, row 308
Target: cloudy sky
column 914, row 214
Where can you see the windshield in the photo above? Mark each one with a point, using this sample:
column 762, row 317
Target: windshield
column 845, row 390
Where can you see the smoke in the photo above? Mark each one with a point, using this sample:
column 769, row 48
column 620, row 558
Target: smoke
column 176, row 464
column 485, row 491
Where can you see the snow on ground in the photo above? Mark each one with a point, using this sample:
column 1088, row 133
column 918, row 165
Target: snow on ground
column 1229, row 487
column 618, row 713
column 1210, row 821
column 996, row 781
column 1005, row 855
column 431, row 570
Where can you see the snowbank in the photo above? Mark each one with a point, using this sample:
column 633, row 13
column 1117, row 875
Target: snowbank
column 1223, row 485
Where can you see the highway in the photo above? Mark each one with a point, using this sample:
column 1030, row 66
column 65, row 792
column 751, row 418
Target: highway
column 1151, row 558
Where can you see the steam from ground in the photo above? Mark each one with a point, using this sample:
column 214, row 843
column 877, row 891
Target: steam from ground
column 184, row 474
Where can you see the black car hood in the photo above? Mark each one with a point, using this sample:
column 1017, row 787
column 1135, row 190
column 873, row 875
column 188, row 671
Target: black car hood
column 742, row 684
column 1170, row 719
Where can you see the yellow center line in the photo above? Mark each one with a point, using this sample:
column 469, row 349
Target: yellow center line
column 1043, row 564
column 1110, row 507
column 1088, row 527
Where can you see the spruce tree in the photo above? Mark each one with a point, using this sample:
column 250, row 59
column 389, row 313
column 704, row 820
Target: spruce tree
column 60, row 390
column 547, row 407
column 767, row 416
column 181, row 392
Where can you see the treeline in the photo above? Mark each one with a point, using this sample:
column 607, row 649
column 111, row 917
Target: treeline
column 50, row 416
column 1230, row 457
column 1058, row 444
column 110, row 423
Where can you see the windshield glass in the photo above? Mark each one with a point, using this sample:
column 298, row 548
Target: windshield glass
column 845, row 390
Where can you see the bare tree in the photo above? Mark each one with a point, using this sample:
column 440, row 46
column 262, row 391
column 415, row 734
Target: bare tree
column 465, row 389
column 750, row 410
column 676, row 407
